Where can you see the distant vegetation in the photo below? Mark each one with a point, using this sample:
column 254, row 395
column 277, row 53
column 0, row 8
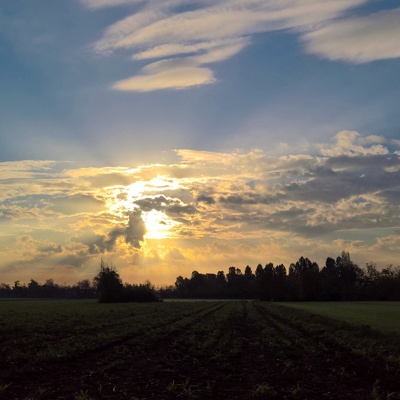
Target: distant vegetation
column 110, row 289
column 106, row 286
column 337, row 280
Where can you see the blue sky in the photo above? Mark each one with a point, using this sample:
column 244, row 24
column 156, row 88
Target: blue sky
column 141, row 90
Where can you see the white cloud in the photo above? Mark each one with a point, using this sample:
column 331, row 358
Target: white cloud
column 350, row 143
column 213, row 31
column 358, row 39
column 173, row 78
column 179, row 73
column 94, row 4
column 167, row 50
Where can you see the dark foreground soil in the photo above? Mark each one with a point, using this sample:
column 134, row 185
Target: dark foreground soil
column 238, row 350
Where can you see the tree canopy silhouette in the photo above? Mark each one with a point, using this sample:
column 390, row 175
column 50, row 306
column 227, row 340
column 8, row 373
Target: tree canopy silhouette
column 110, row 288
column 108, row 284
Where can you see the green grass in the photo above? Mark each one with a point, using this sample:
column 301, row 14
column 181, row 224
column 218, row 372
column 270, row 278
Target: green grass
column 383, row 316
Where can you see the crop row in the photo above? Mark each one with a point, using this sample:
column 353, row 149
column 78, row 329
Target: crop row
column 199, row 350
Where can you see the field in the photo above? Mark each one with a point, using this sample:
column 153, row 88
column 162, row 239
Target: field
column 82, row 350
column 384, row 316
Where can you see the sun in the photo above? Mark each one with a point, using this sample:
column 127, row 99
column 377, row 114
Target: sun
column 158, row 225
column 122, row 200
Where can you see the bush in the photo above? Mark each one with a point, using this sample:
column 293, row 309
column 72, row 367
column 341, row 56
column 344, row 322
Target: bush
column 110, row 289
column 140, row 293
column 108, row 284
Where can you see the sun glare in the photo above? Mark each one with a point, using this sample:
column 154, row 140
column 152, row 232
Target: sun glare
column 158, row 225
column 123, row 200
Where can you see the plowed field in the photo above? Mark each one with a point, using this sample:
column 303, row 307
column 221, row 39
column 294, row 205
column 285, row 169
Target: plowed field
column 190, row 350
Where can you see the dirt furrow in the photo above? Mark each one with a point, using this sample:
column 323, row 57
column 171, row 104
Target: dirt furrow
column 107, row 370
column 323, row 363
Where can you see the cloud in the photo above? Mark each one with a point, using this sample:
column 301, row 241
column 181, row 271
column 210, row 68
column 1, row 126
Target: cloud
column 169, row 78
column 350, row 143
column 171, row 207
column 358, row 39
column 206, row 199
column 180, row 73
column 185, row 39
column 95, row 4
column 69, row 216
column 76, row 204
column 167, row 50
column 133, row 233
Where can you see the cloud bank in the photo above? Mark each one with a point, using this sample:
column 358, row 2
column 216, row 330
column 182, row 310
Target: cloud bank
column 208, row 208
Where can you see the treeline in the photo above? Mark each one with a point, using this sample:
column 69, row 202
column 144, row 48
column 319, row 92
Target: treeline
column 49, row 290
column 337, row 280
column 106, row 286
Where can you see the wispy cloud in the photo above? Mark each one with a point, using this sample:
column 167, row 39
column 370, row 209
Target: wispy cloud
column 156, row 77
column 95, row 4
column 206, row 33
column 358, row 39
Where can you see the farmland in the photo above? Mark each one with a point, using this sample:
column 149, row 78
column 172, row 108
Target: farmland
column 384, row 316
column 190, row 350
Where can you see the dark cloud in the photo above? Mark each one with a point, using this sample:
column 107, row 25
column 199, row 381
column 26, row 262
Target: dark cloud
column 136, row 229
column 177, row 209
column 370, row 161
column 206, row 199
column 344, row 176
column 235, row 199
column 51, row 248
column 158, row 203
column 172, row 207
column 391, row 196
column 133, row 233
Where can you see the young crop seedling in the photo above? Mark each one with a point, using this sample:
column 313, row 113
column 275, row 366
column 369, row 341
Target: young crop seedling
column 264, row 392
column 82, row 395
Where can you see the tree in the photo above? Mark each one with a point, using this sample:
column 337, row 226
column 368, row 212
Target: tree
column 280, row 285
column 350, row 275
column 139, row 293
column 304, row 280
column 34, row 289
column 108, row 284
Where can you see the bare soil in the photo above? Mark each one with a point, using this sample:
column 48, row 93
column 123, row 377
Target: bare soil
column 239, row 350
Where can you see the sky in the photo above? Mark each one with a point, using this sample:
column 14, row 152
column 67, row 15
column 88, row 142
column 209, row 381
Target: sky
column 167, row 136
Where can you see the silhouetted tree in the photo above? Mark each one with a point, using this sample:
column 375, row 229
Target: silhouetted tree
column 304, row 280
column 34, row 289
column 221, row 284
column 351, row 277
column 248, row 291
column 142, row 293
column 235, row 283
column 339, row 279
column 280, row 283
column 182, row 287
column 108, row 284
column 330, row 281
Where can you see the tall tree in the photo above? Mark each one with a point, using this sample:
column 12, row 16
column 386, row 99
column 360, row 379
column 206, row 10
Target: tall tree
column 108, row 284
